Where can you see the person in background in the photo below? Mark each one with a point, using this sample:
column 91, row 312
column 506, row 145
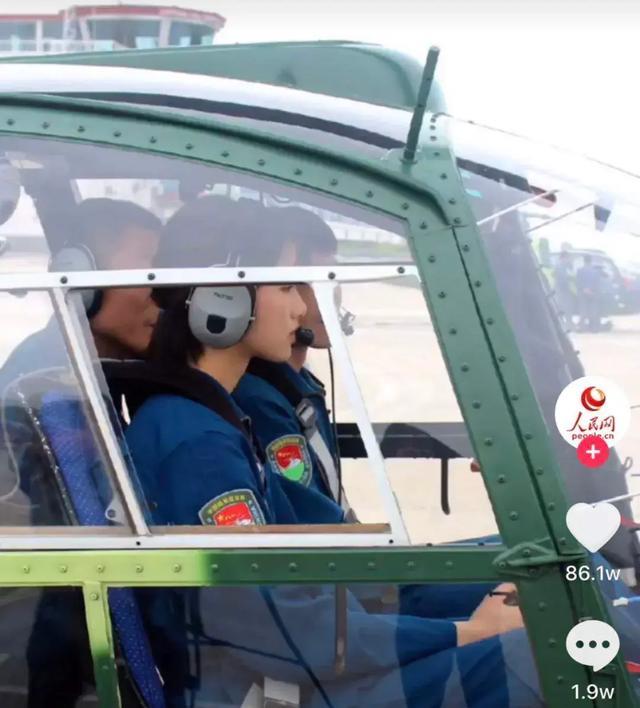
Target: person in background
column 563, row 286
column 106, row 234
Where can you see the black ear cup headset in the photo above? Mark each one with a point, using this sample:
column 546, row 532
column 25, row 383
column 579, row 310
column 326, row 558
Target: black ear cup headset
column 76, row 257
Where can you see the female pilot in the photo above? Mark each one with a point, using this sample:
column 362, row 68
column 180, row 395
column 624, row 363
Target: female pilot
column 198, row 465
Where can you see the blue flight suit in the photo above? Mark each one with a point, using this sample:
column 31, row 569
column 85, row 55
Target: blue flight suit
column 274, row 418
column 196, row 467
column 58, row 654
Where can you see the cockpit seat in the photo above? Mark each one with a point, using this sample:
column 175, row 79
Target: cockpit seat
column 64, row 425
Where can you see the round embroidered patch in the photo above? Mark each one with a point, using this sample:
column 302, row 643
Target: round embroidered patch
column 290, row 457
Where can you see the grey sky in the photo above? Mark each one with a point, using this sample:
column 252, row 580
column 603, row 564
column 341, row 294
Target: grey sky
column 563, row 71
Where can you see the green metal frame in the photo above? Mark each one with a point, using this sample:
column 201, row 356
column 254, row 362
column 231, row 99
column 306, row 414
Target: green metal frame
column 354, row 70
column 491, row 383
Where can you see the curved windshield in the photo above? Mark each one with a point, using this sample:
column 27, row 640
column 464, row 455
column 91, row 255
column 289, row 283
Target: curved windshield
column 562, row 234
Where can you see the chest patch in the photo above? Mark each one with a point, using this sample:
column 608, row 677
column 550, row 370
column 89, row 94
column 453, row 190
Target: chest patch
column 236, row 508
column 290, row 457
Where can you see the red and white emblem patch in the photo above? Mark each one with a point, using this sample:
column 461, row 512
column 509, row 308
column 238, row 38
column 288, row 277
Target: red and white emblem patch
column 236, row 508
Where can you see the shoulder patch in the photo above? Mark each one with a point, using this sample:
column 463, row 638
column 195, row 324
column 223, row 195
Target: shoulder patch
column 236, row 508
column 290, row 457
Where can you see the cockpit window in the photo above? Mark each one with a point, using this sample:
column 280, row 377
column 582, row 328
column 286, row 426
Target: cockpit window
column 55, row 178
column 388, row 443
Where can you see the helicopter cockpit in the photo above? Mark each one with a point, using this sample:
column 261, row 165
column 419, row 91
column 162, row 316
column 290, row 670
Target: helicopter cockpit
column 450, row 335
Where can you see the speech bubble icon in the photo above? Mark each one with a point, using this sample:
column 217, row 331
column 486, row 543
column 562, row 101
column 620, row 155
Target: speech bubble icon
column 593, row 643
column 593, row 524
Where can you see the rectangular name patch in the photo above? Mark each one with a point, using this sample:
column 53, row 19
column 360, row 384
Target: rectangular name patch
column 236, row 508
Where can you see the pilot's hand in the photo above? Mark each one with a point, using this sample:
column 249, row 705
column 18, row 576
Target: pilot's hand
column 491, row 617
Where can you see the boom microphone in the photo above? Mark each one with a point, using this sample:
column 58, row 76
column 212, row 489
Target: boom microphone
column 304, row 337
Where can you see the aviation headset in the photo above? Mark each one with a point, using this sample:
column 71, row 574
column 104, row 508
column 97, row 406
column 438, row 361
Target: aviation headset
column 76, row 257
column 220, row 316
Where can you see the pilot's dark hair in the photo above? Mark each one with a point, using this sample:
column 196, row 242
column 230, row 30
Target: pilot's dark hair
column 211, row 230
column 308, row 231
column 99, row 222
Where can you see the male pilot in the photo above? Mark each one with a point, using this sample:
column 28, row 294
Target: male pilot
column 119, row 235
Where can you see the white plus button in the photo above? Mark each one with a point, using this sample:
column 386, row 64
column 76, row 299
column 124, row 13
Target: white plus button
column 593, row 451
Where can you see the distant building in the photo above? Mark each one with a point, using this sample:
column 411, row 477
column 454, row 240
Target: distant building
column 107, row 27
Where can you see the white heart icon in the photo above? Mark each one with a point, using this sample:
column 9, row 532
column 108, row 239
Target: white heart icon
column 593, row 524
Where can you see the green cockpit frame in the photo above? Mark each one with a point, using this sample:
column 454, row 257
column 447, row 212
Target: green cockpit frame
column 500, row 409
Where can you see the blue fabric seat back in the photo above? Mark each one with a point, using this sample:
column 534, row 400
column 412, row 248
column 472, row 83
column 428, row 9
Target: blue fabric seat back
column 64, row 425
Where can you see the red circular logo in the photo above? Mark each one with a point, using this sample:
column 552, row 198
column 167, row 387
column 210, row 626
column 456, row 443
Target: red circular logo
column 593, row 451
column 593, row 398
